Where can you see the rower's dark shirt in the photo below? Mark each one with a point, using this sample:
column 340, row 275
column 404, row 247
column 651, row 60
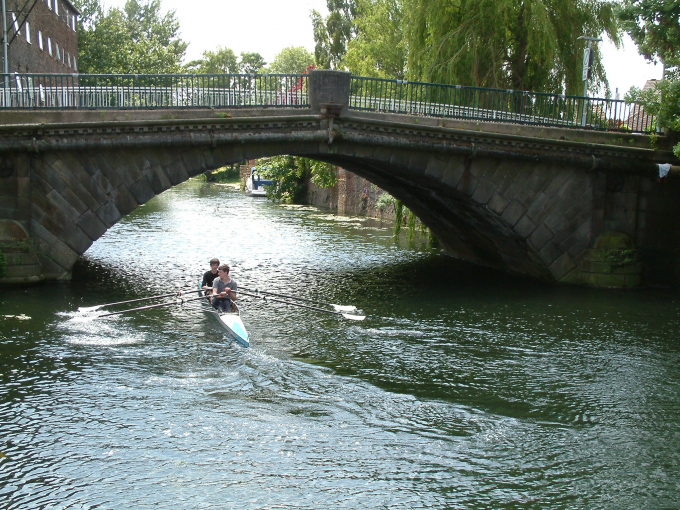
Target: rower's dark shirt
column 208, row 278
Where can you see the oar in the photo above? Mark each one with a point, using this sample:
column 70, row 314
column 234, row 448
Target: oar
column 148, row 306
column 178, row 292
column 338, row 308
column 345, row 315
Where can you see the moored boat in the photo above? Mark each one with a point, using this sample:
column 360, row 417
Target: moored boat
column 255, row 185
column 230, row 322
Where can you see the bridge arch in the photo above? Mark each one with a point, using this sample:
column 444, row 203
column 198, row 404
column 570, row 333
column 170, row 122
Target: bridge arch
column 78, row 194
column 529, row 200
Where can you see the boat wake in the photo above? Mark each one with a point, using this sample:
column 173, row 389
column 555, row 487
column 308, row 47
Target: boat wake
column 81, row 329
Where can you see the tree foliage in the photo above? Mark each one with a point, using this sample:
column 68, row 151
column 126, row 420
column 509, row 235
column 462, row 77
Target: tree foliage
column 654, row 25
column 138, row 39
column 333, row 33
column 518, row 44
column 291, row 174
column 378, row 49
column 225, row 61
column 220, row 61
column 292, row 60
column 251, row 63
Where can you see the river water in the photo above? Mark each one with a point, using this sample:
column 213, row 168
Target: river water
column 463, row 389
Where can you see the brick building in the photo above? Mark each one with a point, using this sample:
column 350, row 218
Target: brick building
column 44, row 36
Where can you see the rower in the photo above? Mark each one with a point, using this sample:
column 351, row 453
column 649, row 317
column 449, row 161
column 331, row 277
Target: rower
column 224, row 289
column 210, row 276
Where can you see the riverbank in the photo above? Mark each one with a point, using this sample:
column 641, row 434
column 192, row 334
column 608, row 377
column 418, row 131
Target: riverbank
column 352, row 195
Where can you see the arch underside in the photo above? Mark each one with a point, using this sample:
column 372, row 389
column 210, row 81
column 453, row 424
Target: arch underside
column 78, row 195
column 465, row 229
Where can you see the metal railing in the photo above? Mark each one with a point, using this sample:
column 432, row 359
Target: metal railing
column 372, row 94
column 152, row 91
column 456, row 101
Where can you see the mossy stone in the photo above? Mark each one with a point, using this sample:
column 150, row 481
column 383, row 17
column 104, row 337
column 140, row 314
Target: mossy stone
column 614, row 241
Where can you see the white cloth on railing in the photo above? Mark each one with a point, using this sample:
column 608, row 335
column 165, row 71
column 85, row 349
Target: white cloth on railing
column 664, row 169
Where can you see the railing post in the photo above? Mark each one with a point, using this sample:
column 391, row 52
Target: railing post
column 328, row 87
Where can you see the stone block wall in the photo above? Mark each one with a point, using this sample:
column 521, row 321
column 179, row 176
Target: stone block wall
column 74, row 197
column 547, row 206
column 657, row 229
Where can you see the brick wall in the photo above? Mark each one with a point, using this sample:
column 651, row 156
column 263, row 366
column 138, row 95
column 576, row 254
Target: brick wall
column 352, row 195
column 55, row 26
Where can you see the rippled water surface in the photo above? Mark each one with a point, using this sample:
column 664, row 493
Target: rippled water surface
column 463, row 389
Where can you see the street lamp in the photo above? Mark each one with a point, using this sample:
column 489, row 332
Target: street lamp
column 588, row 58
column 5, row 64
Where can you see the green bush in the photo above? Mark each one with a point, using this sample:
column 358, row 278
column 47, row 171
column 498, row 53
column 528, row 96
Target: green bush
column 662, row 100
column 384, row 201
column 3, row 264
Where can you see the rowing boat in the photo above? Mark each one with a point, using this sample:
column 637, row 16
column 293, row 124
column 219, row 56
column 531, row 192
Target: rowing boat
column 230, row 322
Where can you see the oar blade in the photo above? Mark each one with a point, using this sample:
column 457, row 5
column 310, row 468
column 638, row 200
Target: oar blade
column 345, row 308
column 87, row 309
column 354, row 317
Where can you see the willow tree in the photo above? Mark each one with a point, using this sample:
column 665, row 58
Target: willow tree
column 518, row 44
column 378, row 49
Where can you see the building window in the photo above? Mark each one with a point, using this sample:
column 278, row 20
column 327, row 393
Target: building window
column 49, row 46
column 56, row 45
column 56, row 7
column 75, row 64
column 40, row 41
column 75, row 20
column 27, row 32
column 14, row 21
column 68, row 60
column 49, row 4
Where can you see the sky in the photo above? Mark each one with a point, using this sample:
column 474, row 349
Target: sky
column 268, row 26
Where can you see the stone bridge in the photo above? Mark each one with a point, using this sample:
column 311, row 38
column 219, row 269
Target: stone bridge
column 551, row 203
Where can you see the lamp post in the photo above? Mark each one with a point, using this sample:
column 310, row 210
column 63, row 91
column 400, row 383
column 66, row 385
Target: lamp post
column 5, row 64
column 588, row 58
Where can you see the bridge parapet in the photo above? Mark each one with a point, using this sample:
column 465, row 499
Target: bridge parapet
column 293, row 91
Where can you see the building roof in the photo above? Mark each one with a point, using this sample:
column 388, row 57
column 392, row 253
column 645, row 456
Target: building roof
column 639, row 120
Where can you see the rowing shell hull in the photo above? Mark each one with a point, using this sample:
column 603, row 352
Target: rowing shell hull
column 231, row 323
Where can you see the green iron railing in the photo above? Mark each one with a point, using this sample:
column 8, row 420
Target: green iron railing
column 291, row 91
column 152, row 91
column 474, row 103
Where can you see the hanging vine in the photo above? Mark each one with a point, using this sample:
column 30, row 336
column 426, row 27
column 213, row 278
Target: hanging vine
column 398, row 217
column 403, row 216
